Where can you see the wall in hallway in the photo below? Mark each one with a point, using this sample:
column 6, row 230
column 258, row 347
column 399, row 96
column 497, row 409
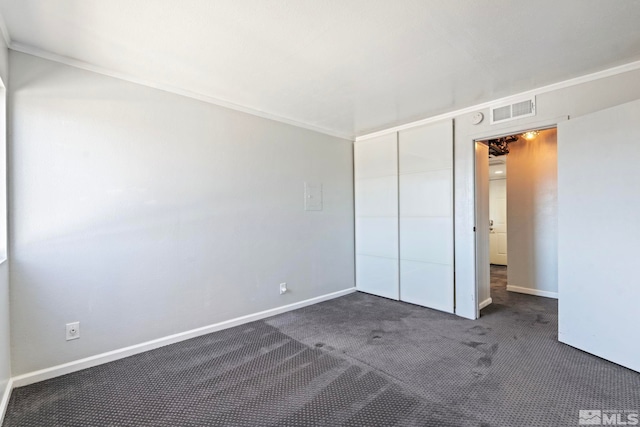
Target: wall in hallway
column 532, row 215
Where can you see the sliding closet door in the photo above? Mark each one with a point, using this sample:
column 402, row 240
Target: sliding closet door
column 376, row 209
column 426, row 215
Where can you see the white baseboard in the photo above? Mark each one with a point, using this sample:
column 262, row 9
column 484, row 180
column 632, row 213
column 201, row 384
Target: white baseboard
column 4, row 401
column 530, row 291
column 485, row 303
column 110, row 356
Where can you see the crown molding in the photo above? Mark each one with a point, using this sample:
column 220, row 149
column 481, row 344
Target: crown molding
column 631, row 66
column 30, row 50
column 4, row 31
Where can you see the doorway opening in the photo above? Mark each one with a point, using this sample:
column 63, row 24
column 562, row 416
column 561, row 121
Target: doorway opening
column 516, row 216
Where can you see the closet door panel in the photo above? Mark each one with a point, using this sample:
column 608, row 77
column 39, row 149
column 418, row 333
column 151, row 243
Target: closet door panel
column 419, row 154
column 376, row 157
column 427, row 284
column 377, row 275
column 377, row 237
column 414, row 232
column 426, row 194
column 376, row 210
column 426, row 215
column 377, row 197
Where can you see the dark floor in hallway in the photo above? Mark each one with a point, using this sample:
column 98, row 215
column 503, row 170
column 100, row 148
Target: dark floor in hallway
column 358, row 360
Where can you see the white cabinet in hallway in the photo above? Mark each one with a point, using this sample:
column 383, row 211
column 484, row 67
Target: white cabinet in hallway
column 498, row 215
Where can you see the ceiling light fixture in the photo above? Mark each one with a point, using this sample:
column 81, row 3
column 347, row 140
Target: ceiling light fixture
column 530, row 135
column 499, row 172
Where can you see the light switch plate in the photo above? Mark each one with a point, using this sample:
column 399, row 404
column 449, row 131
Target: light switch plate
column 312, row 196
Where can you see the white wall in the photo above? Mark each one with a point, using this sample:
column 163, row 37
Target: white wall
column 5, row 344
column 141, row 213
column 552, row 107
column 532, row 215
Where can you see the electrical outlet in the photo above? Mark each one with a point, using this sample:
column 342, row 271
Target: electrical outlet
column 283, row 288
column 73, row 331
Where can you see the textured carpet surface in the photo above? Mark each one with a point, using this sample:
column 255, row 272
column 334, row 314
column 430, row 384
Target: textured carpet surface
column 358, row 360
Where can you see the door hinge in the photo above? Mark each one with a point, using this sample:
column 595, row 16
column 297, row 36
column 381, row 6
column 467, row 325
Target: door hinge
column 474, row 229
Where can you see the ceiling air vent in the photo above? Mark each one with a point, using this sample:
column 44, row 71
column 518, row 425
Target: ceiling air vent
column 515, row 110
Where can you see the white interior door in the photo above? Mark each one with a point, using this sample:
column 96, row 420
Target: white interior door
column 376, row 211
column 426, row 215
column 598, row 233
column 498, row 221
column 483, row 272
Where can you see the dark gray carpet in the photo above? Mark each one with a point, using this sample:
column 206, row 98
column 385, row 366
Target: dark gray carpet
column 359, row 360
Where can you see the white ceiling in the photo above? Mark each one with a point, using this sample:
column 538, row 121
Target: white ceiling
column 346, row 66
